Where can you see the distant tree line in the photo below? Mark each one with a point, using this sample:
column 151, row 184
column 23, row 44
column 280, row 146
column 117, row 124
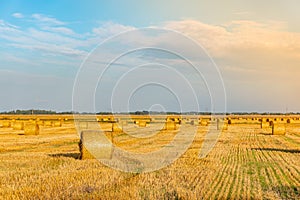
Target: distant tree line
column 34, row 112
column 50, row 112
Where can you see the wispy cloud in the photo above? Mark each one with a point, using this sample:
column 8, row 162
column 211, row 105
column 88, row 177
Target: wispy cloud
column 51, row 37
column 46, row 19
column 60, row 30
column 109, row 29
column 251, row 36
column 18, row 15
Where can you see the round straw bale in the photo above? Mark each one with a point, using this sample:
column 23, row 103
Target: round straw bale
column 5, row 124
column 265, row 124
column 203, row 123
column 222, row 124
column 278, row 129
column 94, row 144
column 170, row 126
column 56, row 123
column 18, row 125
column 142, row 123
column 48, row 123
column 40, row 123
column 31, row 128
column 116, row 127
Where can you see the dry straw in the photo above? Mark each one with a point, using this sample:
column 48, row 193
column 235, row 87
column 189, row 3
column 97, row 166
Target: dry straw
column 116, row 127
column 31, row 128
column 170, row 126
column 142, row 123
column 18, row 125
column 5, row 124
column 265, row 124
column 56, row 124
column 40, row 122
column 222, row 124
column 279, row 129
column 48, row 123
column 94, row 144
column 204, row 123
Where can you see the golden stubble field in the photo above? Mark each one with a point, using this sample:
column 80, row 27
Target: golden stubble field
column 246, row 163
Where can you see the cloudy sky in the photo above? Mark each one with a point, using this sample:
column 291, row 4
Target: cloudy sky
column 254, row 47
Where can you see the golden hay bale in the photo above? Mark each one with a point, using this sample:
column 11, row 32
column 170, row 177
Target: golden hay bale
column 40, row 123
column 222, row 124
column 263, row 120
column 225, row 126
column 142, row 123
column 84, row 153
column 31, row 128
column 116, row 127
column 279, row 129
column 204, row 123
column 170, row 126
column 94, row 144
column 5, row 124
column 18, row 126
column 265, row 124
column 173, row 119
column 48, row 123
column 56, row 123
column 106, row 119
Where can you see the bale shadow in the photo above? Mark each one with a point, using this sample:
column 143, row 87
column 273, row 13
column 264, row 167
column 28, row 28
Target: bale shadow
column 66, row 155
column 265, row 133
column 277, row 149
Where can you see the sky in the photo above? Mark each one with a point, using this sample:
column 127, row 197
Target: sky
column 52, row 54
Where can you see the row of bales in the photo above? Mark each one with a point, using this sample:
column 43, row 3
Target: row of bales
column 31, row 126
column 116, row 125
column 113, row 125
column 277, row 124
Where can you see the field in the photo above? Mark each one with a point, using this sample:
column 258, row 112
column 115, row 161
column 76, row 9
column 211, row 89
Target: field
column 247, row 162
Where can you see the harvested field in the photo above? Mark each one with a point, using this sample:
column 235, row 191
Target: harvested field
column 248, row 162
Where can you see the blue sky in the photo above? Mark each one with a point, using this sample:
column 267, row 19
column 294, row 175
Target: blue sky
column 254, row 44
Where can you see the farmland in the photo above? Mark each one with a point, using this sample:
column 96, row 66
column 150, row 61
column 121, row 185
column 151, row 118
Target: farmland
column 247, row 162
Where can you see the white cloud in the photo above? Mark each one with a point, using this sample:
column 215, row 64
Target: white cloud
column 52, row 49
column 246, row 35
column 60, row 30
column 109, row 29
column 46, row 19
column 18, row 15
column 254, row 58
